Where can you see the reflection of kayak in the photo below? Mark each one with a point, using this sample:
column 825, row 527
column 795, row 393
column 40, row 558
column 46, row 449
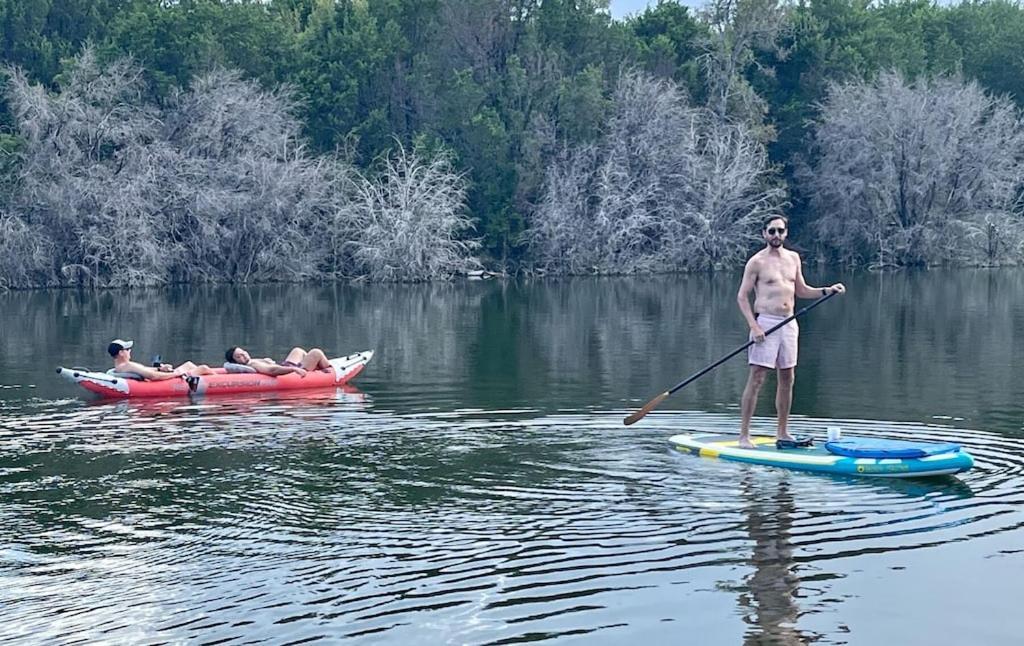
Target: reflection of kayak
column 336, row 398
column 342, row 370
column 849, row 456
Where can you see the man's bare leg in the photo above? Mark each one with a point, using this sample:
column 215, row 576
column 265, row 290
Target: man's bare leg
column 754, row 382
column 784, row 400
column 315, row 359
column 189, row 368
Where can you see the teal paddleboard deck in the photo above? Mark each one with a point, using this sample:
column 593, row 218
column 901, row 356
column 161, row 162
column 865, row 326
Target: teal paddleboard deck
column 934, row 460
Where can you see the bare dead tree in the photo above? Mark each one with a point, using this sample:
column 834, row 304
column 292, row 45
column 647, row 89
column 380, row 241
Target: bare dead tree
column 85, row 177
column 918, row 173
column 731, row 190
column 604, row 208
column 669, row 188
column 223, row 115
column 213, row 186
column 246, row 202
column 24, row 254
column 412, row 220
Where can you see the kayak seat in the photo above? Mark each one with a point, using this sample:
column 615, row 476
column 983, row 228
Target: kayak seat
column 125, row 375
column 862, row 447
column 238, row 368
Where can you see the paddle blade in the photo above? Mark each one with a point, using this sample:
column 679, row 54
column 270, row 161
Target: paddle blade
column 648, row 407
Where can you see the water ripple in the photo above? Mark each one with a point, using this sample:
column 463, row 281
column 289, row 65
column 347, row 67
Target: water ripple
column 314, row 518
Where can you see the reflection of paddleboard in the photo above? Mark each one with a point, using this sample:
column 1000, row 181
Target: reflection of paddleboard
column 849, row 456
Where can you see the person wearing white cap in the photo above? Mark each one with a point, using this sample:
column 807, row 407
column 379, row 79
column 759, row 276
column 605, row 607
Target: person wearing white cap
column 121, row 351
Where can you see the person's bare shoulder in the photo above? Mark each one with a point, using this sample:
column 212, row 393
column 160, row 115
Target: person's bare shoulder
column 754, row 262
column 132, row 366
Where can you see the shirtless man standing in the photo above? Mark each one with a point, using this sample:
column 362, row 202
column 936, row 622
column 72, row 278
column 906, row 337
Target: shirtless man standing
column 777, row 280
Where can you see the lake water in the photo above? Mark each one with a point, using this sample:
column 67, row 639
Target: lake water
column 477, row 484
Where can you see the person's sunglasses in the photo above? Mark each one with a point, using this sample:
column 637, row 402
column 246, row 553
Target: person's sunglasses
column 774, row 231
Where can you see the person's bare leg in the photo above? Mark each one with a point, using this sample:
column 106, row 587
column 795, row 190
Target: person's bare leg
column 297, row 356
column 754, row 382
column 185, row 368
column 189, row 368
column 315, row 359
column 784, row 400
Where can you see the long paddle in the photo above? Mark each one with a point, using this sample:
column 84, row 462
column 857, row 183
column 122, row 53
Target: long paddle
column 651, row 405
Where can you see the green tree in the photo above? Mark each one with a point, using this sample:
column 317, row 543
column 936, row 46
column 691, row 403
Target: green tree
column 177, row 41
column 668, row 43
column 991, row 36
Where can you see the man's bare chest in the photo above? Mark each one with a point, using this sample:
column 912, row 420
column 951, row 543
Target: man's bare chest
column 777, row 273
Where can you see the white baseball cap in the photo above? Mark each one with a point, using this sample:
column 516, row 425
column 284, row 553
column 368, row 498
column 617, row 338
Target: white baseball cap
column 117, row 345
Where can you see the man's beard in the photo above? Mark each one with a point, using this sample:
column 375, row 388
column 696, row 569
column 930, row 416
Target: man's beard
column 775, row 242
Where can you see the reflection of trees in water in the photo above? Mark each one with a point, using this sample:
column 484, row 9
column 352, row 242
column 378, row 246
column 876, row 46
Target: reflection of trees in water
column 421, row 328
column 627, row 332
column 922, row 342
column 769, row 603
column 909, row 345
column 78, row 324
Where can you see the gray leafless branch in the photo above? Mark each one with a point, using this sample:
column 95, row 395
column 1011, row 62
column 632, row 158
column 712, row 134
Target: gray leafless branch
column 923, row 173
column 669, row 188
column 412, row 219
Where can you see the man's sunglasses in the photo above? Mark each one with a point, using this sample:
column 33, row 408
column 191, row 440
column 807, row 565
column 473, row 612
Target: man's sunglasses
column 773, row 231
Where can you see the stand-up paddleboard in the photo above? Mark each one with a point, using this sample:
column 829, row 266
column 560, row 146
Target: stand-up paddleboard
column 847, row 456
column 342, row 370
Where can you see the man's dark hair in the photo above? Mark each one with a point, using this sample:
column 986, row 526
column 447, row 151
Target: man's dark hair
column 773, row 218
column 229, row 354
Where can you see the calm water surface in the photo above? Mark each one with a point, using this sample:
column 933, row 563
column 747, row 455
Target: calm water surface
column 477, row 484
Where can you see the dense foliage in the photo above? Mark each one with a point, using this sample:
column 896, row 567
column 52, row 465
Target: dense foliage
column 211, row 185
column 918, row 174
column 275, row 139
column 667, row 187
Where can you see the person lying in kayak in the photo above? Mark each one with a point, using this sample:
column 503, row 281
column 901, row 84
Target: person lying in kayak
column 121, row 351
column 298, row 361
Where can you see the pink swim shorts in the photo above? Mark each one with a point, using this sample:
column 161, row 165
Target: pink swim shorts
column 778, row 350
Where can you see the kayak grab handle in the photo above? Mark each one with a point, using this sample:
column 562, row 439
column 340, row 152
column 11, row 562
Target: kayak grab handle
column 80, row 372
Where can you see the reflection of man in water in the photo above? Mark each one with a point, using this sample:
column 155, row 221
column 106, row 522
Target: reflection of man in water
column 773, row 585
column 775, row 276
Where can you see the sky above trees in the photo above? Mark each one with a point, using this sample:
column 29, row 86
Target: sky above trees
column 622, row 8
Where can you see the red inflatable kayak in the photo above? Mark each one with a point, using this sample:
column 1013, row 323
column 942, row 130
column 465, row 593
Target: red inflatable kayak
column 342, row 370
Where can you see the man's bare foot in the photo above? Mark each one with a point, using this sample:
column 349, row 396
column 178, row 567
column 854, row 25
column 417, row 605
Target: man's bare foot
column 785, row 436
column 745, row 443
